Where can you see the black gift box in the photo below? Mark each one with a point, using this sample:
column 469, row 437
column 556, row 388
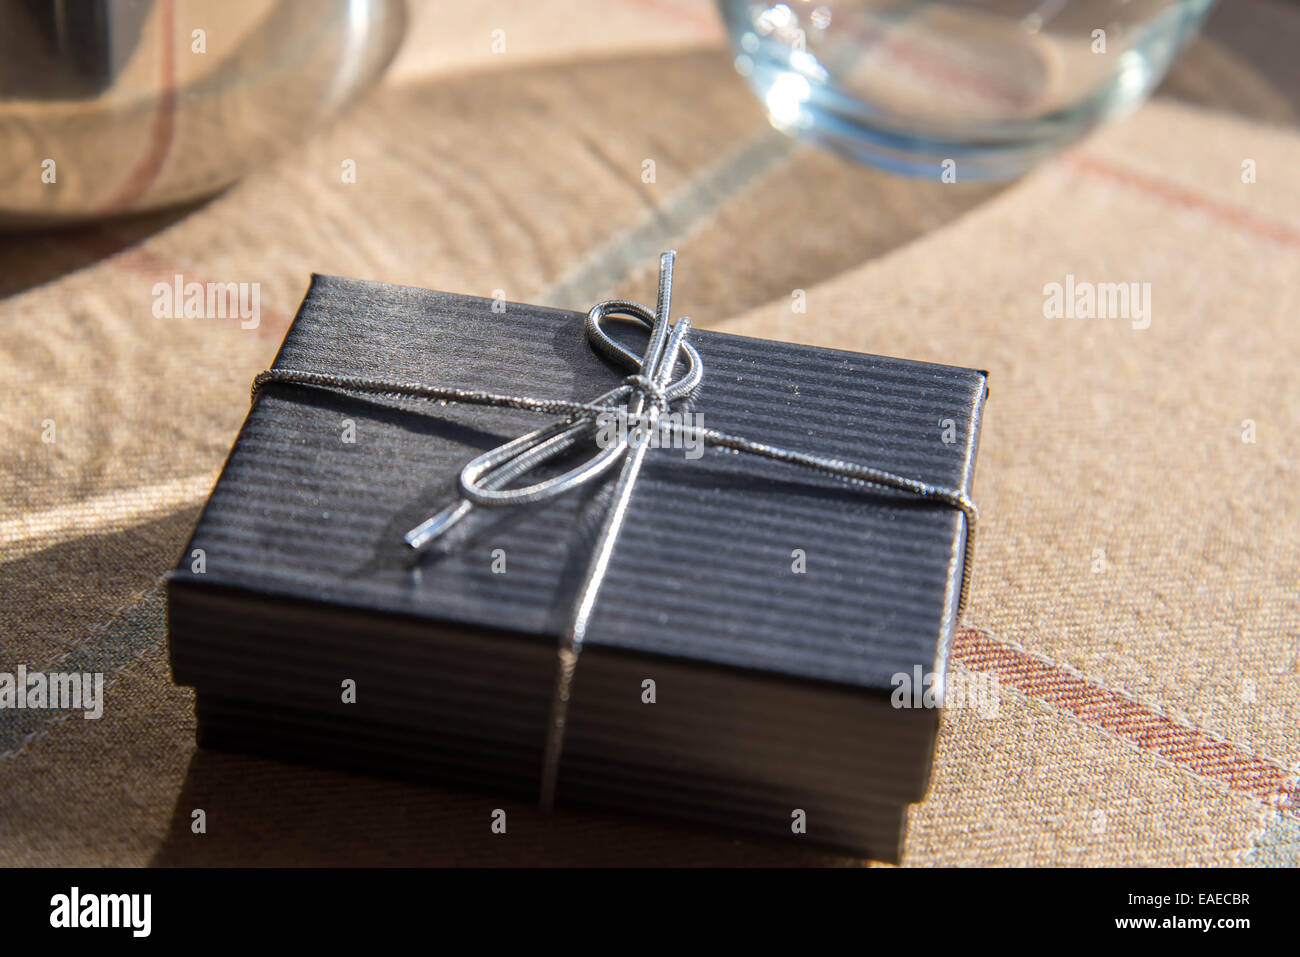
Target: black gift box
column 739, row 667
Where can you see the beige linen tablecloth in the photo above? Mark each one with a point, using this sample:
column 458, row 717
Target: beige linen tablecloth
column 1137, row 592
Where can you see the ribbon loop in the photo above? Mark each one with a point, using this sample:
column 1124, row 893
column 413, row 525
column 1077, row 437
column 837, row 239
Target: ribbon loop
column 603, row 343
column 482, row 479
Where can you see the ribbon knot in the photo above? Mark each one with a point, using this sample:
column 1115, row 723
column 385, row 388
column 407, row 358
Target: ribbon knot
column 648, row 390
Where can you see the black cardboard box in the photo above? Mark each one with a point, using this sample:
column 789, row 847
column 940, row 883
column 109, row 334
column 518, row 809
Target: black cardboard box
column 772, row 608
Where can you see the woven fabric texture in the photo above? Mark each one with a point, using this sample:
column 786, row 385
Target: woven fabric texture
column 1136, row 602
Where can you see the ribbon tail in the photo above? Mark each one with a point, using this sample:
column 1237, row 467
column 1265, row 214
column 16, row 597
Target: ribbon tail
column 575, row 634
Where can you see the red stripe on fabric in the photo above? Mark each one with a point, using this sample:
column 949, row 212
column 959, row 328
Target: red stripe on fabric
column 101, row 243
column 1144, row 727
column 710, row 26
column 164, row 120
column 1185, row 198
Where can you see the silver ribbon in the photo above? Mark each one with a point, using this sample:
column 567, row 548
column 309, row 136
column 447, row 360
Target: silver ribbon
column 646, row 394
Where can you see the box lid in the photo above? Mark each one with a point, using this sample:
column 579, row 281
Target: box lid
column 723, row 559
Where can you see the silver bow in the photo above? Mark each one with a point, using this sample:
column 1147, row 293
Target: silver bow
column 645, row 394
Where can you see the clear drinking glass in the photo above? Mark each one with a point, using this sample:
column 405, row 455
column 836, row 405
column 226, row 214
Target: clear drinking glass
column 981, row 88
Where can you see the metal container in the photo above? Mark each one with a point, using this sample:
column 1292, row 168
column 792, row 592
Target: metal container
column 116, row 106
